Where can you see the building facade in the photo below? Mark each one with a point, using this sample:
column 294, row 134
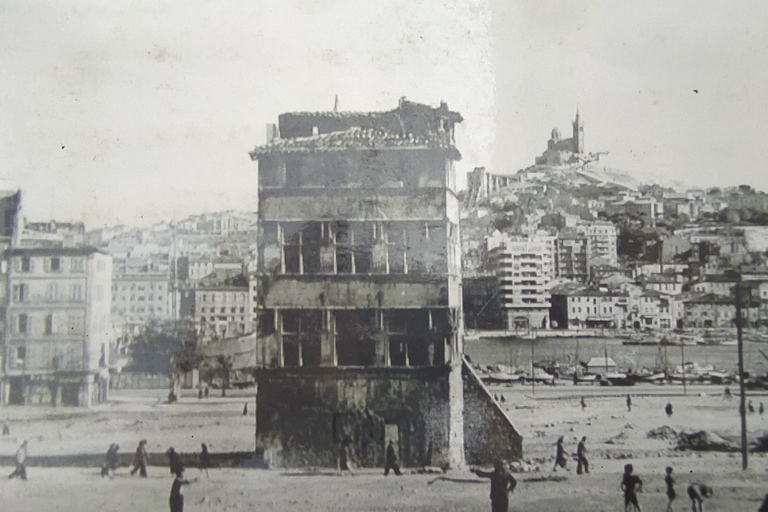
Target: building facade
column 525, row 266
column 140, row 298
column 223, row 311
column 58, row 329
column 360, row 287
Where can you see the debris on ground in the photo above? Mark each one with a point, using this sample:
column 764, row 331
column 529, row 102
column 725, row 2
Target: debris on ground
column 664, row 432
column 704, row 440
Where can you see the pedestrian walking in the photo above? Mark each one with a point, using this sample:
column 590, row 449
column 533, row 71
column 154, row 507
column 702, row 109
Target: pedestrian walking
column 110, row 460
column 390, row 460
column 502, row 483
column 21, row 458
column 750, row 407
column 560, row 459
column 205, row 459
column 199, row 393
column 245, row 409
column 629, row 403
column 695, row 497
column 631, row 485
column 344, row 463
column 140, row 459
column 761, row 408
column 503, row 399
column 583, row 404
column 174, row 461
column 668, row 409
column 176, row 500
column 205, row 394
column 670, row 481
column 727, row 394
column 6, row 429
column 581, row 455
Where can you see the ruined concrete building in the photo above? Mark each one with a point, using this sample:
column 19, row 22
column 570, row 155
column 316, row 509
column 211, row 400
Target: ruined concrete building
column 359, row 273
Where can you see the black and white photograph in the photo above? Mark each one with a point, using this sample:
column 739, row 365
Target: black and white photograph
column 413, row 255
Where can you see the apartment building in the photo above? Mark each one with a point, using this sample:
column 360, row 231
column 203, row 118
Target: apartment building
column 525, row 266
column 57, row 328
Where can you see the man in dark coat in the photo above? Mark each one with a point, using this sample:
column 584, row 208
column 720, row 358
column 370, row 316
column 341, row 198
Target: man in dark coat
column 581, row 455
column 176, row 500
column 140, row 459
column 502, row 483
column 391, row 460
column 174, row 461
column 560, row 459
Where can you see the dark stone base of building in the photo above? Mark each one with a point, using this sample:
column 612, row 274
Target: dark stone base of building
column 304, row 415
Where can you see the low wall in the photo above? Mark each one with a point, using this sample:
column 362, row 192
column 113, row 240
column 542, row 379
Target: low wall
column 96, row 460
column 139, row 381
column 488, row 432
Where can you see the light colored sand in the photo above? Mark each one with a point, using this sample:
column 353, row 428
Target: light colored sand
column 554, row 411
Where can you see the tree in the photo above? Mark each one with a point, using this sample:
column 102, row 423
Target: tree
column 166, row 349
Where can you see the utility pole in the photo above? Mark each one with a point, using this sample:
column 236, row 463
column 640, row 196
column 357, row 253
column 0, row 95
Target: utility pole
column 682, row 363
column 742, row 394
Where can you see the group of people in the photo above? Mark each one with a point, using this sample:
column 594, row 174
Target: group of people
column 582, row 464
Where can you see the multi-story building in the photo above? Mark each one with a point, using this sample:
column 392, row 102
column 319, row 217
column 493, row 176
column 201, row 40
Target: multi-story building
column 223, row 310
column 57, row 332
column 719, row 284
column 602, row 238
column 525, row 266
column 653, row 310
column 594, row 308
column 139, row 298
column 359, row 270
column 707, row 310
column 664, row 283
column 572, row 255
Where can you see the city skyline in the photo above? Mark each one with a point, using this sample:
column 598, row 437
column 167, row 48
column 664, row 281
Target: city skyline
column 143, row 113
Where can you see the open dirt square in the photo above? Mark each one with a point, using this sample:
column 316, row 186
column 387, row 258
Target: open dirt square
column 613, row 435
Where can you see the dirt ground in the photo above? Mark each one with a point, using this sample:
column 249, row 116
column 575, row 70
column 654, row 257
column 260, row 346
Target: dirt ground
column 613, row 435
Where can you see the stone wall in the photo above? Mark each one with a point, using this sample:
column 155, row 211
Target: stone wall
column 488, row 432
column 304, row 414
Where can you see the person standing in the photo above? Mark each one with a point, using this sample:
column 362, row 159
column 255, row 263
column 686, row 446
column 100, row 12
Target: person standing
column 670, row 481
column 6, row 429
column 205, row 459
column 176, row 500
column 695, row 497
column 344, row 462
column 21, row 458
column 560, row 459
column 583, row 404
column 245, row 409
column 140, row 459
column 630, row 484
column 629, row 403
column 174, row 461
column 502, row 483
column 668, row 409
column 390, row 461
column 761, row 408
column 581, row 454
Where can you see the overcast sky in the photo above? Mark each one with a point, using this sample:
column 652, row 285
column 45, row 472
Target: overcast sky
column 144, row 110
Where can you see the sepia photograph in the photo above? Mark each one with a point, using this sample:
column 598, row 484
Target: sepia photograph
column 413, row 255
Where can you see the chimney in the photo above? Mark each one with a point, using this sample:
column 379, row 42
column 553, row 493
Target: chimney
column 272, row 132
